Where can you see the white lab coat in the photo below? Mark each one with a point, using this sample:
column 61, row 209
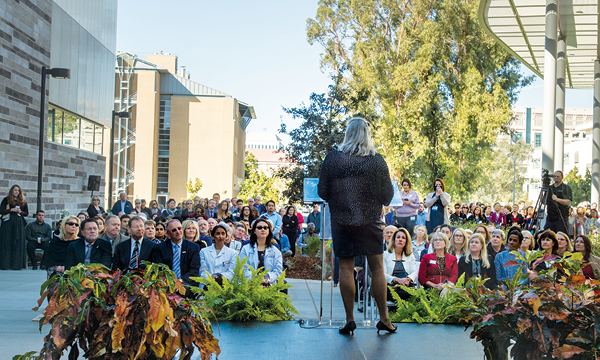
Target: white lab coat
column 223, row 263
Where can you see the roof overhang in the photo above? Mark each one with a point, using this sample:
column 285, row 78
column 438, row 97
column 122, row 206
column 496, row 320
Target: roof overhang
column 519, row 26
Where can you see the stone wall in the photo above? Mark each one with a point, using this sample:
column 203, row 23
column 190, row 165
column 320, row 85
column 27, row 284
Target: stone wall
column 24, row 48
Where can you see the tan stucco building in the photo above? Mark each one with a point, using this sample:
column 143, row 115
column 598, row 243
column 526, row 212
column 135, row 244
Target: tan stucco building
column 178, row 130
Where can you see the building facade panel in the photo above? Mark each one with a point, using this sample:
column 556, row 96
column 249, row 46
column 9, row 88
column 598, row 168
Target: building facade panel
column 28, row 34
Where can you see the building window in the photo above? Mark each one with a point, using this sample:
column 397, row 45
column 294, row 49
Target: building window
column 567, row 160
column 164, row 140
column 576, row 157
column 68, row 129
column 538, row 119
column 538, row 139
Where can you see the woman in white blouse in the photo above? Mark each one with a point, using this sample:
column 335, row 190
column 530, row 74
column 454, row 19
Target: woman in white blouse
column 399, row 264
column 217, row 260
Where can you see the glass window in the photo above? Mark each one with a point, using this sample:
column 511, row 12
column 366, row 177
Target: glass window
column 71, row 130
column 538, row 139
column 87, row 135
column 98, row 138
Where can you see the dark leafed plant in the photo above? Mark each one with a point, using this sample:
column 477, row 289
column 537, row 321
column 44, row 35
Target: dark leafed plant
column 112, row 315
column 244, row 299
column 542, row 314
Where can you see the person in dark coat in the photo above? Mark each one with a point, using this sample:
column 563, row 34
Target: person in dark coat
column 478, row 262
column 356, row 183
column 290, row 227
column 12, row 232
column 189, row 253
column 56, row 255
column 89, row 249
column 131, row 253
column 95, row 208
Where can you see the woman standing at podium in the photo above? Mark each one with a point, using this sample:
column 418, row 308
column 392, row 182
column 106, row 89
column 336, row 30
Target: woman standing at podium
column 356, row 183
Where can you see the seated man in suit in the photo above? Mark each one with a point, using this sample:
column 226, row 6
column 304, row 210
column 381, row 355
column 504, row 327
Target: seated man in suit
column 130, row 254
column 112, row 234
column 89, row 249
column 180, row 255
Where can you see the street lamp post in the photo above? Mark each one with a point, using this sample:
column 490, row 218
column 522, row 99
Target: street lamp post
column 514, row 175
column 58, row 73
column 115, row 114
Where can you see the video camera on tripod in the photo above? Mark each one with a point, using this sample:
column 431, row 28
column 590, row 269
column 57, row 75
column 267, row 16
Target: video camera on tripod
column 546, row 178
column 539, row 209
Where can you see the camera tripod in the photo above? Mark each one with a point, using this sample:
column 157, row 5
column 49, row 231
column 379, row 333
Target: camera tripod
column 539, row 210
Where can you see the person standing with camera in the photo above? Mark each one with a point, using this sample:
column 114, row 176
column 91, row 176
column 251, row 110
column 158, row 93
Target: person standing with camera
column 436, row 202
column 558, row 205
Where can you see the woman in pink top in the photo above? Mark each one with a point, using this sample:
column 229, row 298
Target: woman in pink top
column 406, row 215
column 497, row 217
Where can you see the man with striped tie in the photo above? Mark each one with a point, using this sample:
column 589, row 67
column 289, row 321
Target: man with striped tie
column 130, row 254
column 180, row 255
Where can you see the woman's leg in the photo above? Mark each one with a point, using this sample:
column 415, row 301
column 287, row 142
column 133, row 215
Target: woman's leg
column 379, row 286
column 347, row 285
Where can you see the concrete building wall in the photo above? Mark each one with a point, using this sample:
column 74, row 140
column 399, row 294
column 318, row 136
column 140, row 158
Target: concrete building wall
column 146, row 118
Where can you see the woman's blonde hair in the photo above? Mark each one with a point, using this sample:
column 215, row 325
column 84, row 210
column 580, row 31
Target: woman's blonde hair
column 186, row 224
column 452, row 246
column 357, row 140
column 442, row 236
column 485, row 262
column 569, row 243
column 407, row 247
column 63, row 225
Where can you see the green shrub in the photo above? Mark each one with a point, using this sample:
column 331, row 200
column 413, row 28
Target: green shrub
column 245, row 300
column 431, row 306
column 313, row 246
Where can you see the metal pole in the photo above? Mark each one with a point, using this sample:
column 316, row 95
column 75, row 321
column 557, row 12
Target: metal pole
column 111, row 160
column 322, row 236
column 559, row 136
column 332, row 276
column 548, row 124
column 596, row 136
column 41, row 141
column 365, row 286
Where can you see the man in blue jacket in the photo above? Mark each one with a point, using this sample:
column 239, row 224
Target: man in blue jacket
column 122, row 206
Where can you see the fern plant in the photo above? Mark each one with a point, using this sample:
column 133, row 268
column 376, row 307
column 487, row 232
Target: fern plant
column 244, row 299
column 433, row 306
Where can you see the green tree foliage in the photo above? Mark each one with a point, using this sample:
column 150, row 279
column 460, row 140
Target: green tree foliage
column 497, row 173
column 257, row 183
column 580, row 185
column 441, row 86
column 322, row 130
column 193, row 187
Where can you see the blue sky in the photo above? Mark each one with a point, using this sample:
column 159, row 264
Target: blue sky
column 255, row 51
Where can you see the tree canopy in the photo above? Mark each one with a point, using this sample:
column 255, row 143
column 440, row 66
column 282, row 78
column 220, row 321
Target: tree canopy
column 440, row 87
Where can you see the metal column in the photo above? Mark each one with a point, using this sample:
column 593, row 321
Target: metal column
column 596, row 136
column 548, row 124
column 559, row 136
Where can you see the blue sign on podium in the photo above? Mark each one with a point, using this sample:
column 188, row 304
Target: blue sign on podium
column 311, row 191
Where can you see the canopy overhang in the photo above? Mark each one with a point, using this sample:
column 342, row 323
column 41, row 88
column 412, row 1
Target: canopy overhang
column 519, row 25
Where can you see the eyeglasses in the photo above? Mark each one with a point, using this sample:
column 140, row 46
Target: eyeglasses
column 457, row 207
column 73, row 224
column 96, row 199
column 262, row 228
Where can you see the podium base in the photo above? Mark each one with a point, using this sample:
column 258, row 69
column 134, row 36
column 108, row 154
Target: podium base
column 335, row 324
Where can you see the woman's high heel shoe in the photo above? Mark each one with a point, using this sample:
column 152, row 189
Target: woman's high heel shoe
column 382, row 326
column 348, row 328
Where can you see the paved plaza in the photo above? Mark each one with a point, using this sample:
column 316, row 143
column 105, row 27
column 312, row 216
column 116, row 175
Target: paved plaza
column 19, row 291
